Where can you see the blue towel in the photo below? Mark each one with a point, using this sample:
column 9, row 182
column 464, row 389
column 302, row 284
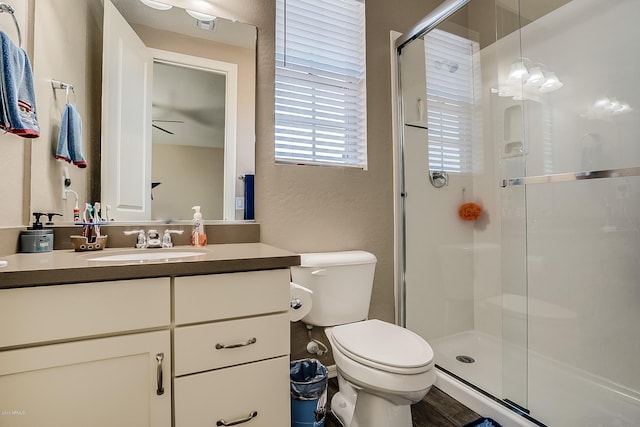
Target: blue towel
column 70, row 139
column 17, row 97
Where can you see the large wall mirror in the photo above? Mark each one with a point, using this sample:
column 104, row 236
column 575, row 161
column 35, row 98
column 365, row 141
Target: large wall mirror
column 176, row 127
column 157, row 163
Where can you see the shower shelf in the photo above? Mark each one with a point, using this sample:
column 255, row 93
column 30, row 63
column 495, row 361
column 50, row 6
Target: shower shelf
column 571, row 176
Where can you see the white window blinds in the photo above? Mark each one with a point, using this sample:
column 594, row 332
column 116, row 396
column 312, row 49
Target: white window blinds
column 320, row 98
column 450, row 100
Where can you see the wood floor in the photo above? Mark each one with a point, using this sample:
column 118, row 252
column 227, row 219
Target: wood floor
column 437, row 409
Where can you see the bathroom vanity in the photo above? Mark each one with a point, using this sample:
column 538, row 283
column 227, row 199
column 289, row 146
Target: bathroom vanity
column 200, row 341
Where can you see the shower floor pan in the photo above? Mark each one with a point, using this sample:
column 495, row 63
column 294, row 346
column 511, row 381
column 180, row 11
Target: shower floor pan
column 558, row 394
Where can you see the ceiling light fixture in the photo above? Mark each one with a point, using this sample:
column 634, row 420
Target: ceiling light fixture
column 536, row 77
column 156, row 4
column 200, row 16
column 518, row 72
column 551, row 83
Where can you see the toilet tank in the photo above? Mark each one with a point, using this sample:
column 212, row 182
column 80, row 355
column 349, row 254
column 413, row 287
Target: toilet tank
column 341, row 283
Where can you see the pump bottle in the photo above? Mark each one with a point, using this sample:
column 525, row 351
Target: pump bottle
column 198, row 237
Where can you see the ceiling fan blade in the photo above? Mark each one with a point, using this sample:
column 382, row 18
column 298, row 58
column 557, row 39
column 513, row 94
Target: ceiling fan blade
column 162, row 129
column 168, row 121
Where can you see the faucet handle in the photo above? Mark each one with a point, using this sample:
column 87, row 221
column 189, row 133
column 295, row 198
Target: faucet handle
column 131, row 232
column 166, row 238
column 142, row 239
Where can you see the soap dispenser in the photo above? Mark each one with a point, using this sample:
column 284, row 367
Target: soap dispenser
column 36, row 238
column 198, row 237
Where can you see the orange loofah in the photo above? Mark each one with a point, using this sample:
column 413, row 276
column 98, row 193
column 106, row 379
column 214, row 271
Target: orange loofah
column 469, row 211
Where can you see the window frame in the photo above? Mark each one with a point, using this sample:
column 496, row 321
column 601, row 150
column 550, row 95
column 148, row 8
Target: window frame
column 320, row 89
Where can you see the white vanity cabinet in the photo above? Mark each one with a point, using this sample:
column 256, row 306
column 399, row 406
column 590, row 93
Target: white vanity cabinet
column 231, row 349
column 57, row 370
column 214, row 348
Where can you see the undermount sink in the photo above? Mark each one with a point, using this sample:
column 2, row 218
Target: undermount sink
column 147, row 255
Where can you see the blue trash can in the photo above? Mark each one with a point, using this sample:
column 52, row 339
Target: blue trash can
column 308, row 393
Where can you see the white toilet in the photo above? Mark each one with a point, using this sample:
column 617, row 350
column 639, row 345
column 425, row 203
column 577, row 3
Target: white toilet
column 382, row 368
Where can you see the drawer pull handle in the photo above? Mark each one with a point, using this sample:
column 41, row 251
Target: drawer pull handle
column 236, row 345
column 236, row 422
column 160, row 389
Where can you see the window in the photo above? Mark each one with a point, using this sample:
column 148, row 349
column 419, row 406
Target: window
column 320, row 83
column 451, row 67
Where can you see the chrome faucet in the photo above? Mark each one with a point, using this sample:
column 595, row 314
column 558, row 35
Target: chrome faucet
column 166, row 238
column 142, row 239
column 153, row 239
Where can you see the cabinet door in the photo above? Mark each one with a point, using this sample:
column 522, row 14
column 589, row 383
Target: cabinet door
column 99, row 383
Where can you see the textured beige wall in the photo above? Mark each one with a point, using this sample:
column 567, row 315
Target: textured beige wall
column 14, row 150
column 65, row 38
column 304, row 208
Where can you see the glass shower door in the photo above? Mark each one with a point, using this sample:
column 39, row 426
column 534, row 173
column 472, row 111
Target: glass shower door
column 581, row 128
column 454, row 289
column 536, row 302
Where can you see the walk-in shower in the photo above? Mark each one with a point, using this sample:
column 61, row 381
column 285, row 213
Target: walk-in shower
column 529, row 110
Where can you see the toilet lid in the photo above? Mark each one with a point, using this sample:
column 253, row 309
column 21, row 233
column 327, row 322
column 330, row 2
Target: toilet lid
column 384, row 346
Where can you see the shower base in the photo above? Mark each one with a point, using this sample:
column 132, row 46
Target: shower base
column 486, row 370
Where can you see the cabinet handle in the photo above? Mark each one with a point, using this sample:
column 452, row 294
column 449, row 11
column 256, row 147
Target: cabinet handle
column 160, row 389
column 236, row 422
column 236, row 345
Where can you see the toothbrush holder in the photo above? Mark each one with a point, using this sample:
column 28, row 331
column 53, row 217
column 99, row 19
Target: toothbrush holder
column 82, row 244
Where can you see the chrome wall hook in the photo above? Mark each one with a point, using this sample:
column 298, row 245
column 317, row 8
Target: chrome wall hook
column 438, row 178
column 57, row 84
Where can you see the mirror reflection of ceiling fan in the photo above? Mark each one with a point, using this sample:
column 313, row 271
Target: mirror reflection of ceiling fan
column 153, row 124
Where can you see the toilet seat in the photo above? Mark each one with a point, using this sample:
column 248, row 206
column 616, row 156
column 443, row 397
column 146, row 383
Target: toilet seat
column 384, row 346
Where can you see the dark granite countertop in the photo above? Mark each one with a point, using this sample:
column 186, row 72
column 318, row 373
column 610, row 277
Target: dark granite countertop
column 67, row 266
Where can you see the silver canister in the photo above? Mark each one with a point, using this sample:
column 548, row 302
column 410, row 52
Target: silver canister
column 36, row 240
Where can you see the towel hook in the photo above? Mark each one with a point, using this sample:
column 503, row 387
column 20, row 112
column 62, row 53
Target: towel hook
column 57, row 84
column 4, row 7
column 72, row 91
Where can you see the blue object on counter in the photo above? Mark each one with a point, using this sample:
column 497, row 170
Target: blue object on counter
column 308, row 393
column 248, row 196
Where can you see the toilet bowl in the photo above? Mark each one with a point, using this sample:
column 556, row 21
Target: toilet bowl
column 382, row 368
column 389, row 367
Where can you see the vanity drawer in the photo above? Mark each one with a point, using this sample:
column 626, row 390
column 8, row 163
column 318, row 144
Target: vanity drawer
column 232, row 394
column 202, row 347
column 224, row 296
column 47, row 313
